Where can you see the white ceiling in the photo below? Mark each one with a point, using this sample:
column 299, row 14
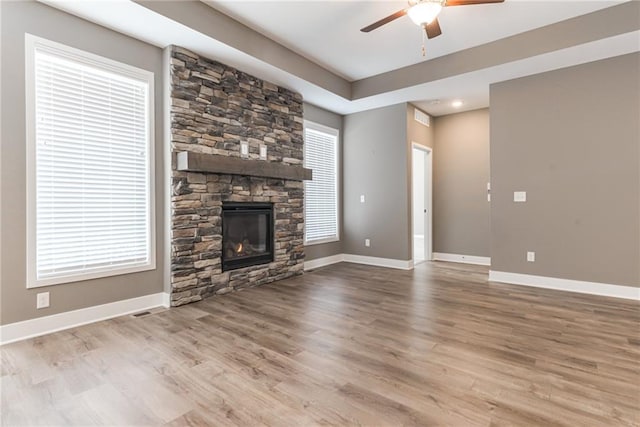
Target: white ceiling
column 327, row 33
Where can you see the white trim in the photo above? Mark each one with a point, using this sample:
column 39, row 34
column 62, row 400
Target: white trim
column 322, row 262
column 57, row 322
column 166, row 300
column 33, row 43
column 464, row 259
column 593, row 288
column 379, row 262
column 359, row 259
column 321, row 128
column 322, row 241
column 308, row 124
column 428, row 250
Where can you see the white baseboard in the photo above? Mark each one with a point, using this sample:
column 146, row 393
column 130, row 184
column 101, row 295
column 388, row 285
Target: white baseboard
column 358, row 259
column 379, row 262
column 166, row 300
column 465, row 259
column 593, row 288
column 57, row 322
column 322, row 262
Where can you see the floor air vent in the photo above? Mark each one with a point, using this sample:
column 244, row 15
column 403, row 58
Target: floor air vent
column 142, row 314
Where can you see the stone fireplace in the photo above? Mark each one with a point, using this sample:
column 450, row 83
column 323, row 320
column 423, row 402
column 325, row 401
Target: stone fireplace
column 215, row 247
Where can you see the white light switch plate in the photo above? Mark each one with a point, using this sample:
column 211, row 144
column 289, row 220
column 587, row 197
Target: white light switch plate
column 263, row 152
column 367, row 242
column 519, row 196
column 244, row 149
column 362, row 198
column 531, row 256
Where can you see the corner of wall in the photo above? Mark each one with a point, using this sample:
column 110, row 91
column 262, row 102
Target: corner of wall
column 167, row 162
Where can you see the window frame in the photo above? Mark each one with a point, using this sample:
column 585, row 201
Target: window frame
column 33, row 43
column 335, row 133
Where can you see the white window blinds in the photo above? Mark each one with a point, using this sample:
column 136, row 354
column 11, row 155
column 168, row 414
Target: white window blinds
column 92, row 172
column 321, row 193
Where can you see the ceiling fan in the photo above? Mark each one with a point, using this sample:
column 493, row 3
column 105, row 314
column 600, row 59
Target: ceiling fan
column 425, row 14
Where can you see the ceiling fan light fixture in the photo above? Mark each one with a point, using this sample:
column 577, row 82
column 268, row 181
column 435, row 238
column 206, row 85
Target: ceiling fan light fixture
column 425, row 12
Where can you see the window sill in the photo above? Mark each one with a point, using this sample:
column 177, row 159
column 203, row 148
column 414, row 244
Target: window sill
column 322, row 241
column 97, row 274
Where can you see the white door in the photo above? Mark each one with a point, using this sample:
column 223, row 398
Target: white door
column 421, row 202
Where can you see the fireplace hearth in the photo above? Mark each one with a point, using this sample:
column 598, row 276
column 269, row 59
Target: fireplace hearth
column 247, row 234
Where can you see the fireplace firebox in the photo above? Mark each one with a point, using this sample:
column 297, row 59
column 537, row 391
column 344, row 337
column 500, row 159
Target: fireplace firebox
column 247, row 234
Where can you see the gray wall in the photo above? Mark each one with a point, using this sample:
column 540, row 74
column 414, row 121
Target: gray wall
column 417, row 132
column 461, row 172
column 418, row 197
column 570, row 138
column 376, row 165
column 333, row 120
column 18, row 302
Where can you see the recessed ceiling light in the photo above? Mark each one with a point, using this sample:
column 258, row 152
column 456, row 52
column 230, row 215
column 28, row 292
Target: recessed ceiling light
column 457, row 103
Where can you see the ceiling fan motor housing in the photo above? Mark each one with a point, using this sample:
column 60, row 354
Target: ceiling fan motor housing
column 425, row 14
column 425, row 11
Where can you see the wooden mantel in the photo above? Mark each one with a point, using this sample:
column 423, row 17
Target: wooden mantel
column 199, row 162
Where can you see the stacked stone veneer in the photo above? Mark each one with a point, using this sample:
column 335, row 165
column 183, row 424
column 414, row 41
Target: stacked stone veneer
column 213, row 108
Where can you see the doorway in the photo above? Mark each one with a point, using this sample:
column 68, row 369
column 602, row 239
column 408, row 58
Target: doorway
column 422, row 162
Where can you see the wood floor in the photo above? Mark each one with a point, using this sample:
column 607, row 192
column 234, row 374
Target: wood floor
column 344, row 345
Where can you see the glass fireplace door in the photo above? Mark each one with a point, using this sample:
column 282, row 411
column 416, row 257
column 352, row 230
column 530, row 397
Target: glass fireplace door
column 247, row 234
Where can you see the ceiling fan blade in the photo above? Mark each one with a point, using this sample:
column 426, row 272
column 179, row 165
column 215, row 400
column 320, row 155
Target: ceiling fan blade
column 470, row 2
column 433, row 29
column 383, row 21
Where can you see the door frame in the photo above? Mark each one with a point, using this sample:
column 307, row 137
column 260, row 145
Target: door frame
column 428, row 250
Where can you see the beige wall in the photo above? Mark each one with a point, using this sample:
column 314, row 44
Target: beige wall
column 461, row 173
column 333, row 120
column 18, row 302
column 417, row 132
column 375, row 165
column 570, row 138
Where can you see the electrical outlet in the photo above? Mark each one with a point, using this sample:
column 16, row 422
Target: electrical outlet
column 42, row 300
column 531, row 256
column 263, row 152
column 367, row 242
column 520, row 196
column 362, row 198
column 244, row 149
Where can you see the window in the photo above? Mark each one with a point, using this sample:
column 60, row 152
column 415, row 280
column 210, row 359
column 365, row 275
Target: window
column 89, row 171
column 321, row 193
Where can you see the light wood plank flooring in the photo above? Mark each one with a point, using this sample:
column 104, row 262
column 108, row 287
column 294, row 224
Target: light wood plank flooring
column 344, row 345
